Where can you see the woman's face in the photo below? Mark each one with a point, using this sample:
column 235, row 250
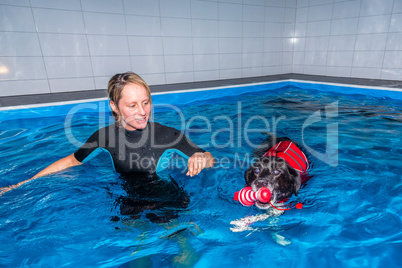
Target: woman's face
column 134, row 107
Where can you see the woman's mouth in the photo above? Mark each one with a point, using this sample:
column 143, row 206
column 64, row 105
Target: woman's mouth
column 141, row 120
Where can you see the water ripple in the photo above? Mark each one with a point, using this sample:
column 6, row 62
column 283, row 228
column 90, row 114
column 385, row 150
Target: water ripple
column 350, row 218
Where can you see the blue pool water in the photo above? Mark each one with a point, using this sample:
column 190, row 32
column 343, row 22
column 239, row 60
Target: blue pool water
column 352, row 205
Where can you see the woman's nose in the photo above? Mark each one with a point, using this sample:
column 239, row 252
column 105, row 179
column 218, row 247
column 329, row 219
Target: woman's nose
column 141, row 110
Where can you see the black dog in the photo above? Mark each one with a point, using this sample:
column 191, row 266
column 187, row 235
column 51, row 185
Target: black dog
column 281, row 166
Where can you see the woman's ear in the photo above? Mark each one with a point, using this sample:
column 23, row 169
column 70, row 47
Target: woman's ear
column 115, row 111
column 114, row 107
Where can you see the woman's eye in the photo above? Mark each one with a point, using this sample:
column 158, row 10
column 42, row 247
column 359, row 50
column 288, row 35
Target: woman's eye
column 276, row 172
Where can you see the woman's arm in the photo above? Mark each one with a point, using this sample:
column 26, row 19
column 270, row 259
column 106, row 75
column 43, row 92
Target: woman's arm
column 198, row 162
column 64, row 163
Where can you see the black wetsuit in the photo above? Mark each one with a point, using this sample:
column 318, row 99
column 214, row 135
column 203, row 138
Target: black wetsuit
column 138, row 155
column 139, row 150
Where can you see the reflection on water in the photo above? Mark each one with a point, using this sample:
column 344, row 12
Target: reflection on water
column 161, row 199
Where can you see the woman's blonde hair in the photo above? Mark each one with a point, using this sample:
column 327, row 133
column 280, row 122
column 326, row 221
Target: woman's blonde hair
column 117, row 83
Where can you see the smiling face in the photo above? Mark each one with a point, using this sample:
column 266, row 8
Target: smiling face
column 134, row 107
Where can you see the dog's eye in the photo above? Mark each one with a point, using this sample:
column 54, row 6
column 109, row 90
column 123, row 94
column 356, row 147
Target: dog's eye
column 257, row 170
column 276, row 172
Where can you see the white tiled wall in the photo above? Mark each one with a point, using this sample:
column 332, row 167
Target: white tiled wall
column 349, row 38
column 71, row 45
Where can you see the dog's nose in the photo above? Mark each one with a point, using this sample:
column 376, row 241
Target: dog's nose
column 261, row 183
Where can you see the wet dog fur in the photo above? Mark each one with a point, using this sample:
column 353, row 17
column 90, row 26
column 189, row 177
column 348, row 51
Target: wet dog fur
column 274, row 173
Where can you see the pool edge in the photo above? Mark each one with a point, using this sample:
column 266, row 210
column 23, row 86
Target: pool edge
column 180, row 91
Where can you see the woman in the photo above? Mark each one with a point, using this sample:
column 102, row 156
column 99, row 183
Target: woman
column 134, row 144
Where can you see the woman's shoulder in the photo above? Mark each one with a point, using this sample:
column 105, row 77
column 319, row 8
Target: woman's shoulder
column 160, row 127
column 104, row 130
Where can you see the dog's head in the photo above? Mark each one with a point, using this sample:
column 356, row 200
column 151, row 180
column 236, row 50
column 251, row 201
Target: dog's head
column 275, row 174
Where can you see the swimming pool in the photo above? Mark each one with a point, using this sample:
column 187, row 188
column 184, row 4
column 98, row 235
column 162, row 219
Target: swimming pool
column 352, row 205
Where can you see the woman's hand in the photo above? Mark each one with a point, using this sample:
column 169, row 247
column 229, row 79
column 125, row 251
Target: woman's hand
column 198, row 162
column 6, row 189
column 66, row 162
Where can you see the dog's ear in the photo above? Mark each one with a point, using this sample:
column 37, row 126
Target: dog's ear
column 297, row 184
column 297, row 180
column 249, row 176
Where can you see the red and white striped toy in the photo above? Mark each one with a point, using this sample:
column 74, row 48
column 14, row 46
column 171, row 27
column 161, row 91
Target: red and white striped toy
column 247, row 197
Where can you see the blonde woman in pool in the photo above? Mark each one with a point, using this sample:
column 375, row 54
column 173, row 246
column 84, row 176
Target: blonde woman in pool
column 132, row 136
